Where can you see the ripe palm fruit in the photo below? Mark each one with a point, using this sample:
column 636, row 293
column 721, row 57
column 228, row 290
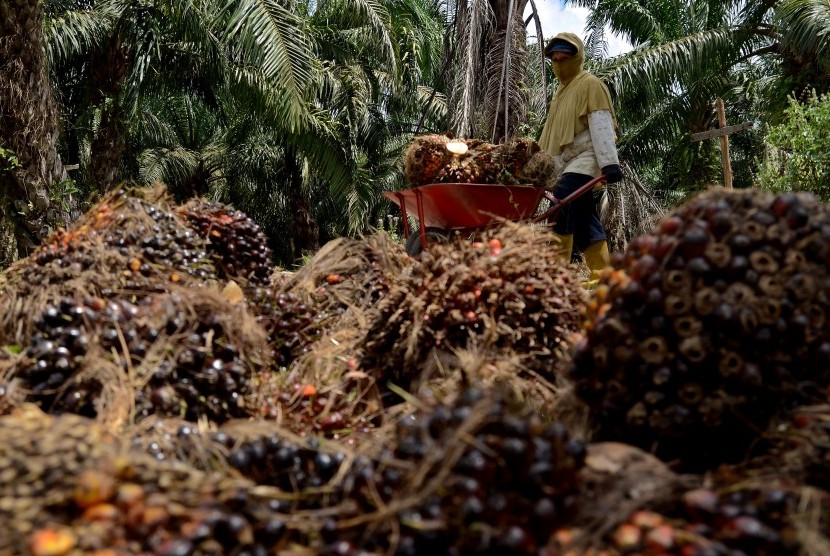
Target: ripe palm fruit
column 709, row 325
column 510, row 294
column 437, row 159
column 426, row 157
column 479, row 474
column 235, row 242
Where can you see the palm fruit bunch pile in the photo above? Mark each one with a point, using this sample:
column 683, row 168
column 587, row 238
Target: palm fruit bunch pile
column 237, row 245
column 475, row 475
column 345, row 274
column 169, row 354
column 69, row 488
column 710, row 325
column 508, row 294
column 800, row 444
column 738, row 519
column 129, row 244
column 440, row 159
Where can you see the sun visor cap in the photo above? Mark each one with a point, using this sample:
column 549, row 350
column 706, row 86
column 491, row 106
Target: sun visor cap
column 560, row 45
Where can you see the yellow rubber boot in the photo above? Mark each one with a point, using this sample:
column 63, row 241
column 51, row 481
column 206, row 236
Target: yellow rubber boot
column 597, row 258
column 566, row 247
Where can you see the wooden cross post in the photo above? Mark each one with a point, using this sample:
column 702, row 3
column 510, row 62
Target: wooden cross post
column 723, row 132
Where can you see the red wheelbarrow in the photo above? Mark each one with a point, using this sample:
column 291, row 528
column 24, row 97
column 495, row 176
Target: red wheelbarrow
column 445, row 208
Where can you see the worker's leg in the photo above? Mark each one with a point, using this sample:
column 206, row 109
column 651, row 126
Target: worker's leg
column 595, row 249
column 568, row 218
column 566, row 246
column 597, row 257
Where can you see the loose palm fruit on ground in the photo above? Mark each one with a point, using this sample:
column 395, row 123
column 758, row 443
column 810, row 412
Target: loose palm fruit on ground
column 709, row 325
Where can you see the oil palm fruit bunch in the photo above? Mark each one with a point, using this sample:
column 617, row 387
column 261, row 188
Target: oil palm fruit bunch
column 292, row 322
column 708, row 522
column 528, row 163
column 440, row 159
column 509, row 293
column 475, row 475
column 291, row 465
column 69, row 488
column 425, row 158
column 167, row 355
column 266, row 455
column 235, row 242
column 710, row 325
column 800, row 444
column 152, row 238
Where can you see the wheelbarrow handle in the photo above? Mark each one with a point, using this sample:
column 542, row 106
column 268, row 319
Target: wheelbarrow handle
column 559, row 204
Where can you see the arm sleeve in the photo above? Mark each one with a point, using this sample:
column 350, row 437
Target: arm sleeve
column 603, row 138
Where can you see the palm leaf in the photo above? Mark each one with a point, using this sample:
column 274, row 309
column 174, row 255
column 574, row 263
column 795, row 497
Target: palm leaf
column 271, row 38
column 75, row 33
column 805, row 27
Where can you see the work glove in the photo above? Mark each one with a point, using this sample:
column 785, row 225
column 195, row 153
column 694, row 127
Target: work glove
column 613, row 173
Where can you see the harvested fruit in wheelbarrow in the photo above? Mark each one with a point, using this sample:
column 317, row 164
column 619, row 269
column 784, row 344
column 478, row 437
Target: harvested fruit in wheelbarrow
column 438, row 159
column 710, row 325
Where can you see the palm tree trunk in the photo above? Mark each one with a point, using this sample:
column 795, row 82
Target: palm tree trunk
column 108, row 69
column 107, row 149
column 28, row 132
column 508, row 55
column 306, row 232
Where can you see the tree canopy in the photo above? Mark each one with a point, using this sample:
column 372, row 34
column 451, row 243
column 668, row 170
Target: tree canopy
column 298, row 111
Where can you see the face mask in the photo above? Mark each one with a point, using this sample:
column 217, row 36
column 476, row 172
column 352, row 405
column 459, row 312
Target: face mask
column 567, row 68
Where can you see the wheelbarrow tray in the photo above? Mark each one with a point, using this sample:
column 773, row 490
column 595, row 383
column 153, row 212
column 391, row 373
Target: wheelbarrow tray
column 452, row 206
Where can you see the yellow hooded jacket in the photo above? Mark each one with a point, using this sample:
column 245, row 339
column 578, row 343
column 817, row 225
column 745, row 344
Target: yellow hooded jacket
column 580, row 93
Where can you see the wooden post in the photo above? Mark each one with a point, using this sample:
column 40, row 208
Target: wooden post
column 724, row 146
column 723, row 132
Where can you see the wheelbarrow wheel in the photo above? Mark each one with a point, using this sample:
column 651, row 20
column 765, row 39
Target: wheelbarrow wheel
column 434, row 235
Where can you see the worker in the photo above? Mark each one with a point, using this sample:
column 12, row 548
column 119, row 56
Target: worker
column 580, row 133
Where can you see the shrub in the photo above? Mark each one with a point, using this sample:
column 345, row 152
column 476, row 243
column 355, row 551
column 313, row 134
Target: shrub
column 798, row 152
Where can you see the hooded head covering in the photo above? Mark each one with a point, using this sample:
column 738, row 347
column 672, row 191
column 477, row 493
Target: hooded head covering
column 579, row 93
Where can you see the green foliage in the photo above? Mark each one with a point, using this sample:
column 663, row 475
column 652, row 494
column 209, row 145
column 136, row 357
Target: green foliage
column 798, row 156
column 62, row 191
column 8, row 160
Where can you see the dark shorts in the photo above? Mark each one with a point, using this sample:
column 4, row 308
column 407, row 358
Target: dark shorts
column 580, row 217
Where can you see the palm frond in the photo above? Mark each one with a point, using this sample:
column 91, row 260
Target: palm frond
column 804, row 26
column 271, row 38
column 373, row 25
column 654, row 69
column 168, row 165
column 75, row 33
